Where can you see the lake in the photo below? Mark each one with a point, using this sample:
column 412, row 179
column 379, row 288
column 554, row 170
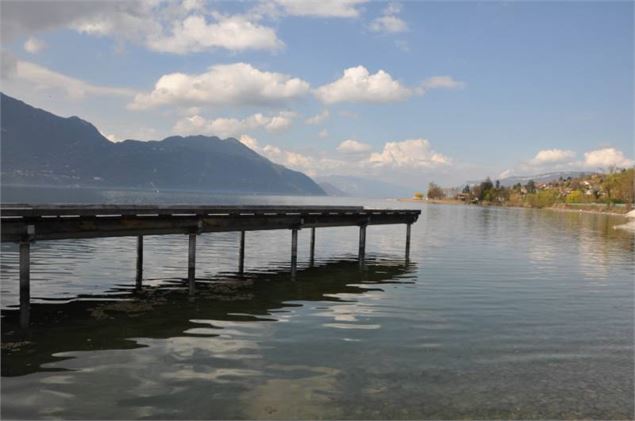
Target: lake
column 500, row 313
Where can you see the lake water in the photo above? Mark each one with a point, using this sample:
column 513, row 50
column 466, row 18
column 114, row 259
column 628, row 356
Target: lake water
column 501, row 313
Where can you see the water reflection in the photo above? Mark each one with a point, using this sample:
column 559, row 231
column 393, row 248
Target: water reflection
column 97, row 322
column 509, row 313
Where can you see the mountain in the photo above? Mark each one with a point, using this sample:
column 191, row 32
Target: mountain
column 540, row 178
column 331, row 190
column 364, row 187
column 40, row 148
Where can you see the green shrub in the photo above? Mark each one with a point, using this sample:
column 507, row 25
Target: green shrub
column 542, row 198
column 575, row 196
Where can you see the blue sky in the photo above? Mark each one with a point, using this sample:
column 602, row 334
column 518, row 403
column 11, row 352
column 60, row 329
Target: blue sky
column 409, row 92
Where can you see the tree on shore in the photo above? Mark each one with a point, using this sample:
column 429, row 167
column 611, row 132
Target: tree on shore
column 435, row 192
column 485, row 190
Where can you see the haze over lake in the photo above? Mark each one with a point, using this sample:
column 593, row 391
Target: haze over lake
column 500, row 313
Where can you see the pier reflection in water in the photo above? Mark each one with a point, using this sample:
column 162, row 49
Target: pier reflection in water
column 116, row 320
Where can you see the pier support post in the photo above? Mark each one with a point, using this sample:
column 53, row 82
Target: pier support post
column 191, row 263
column 241, row 257
column 294, row 252
column 139, row 280
column 312, row 259
column 408, row 242
column 25, row 282
column 362, row 244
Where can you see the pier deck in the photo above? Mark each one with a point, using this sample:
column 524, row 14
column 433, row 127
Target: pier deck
column 24, row 224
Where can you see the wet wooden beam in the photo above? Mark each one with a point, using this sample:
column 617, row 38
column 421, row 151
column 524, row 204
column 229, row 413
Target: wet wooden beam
column 408, row 241
column 241, row 257
column 191, row 263
column 139, row 279
column 312, row 252
column 25, row 282
column 294, row 252
column 362, row 243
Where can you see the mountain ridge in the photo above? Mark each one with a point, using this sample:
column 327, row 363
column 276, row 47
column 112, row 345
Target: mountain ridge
column 41, row 148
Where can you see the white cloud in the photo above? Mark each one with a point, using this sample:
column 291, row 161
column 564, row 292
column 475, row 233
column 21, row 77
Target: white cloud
column 412, row 153
column 249, row 141
column 195, row 34
column 323, row 134
column 40, row 78
column 389, row 22
column 321, row 8
column 439, row 82
column 551, row 156
column 548, row 160
column 33, row 45
column 353, row 146
column 288, row 158
column 225, row 127
column 183, row 27
column 222, row 84
column 318, row 118
column 112, row 137
column 397, row 160
column 358, row 85
column 310, row 165
column 607, row 157
column 504, row 174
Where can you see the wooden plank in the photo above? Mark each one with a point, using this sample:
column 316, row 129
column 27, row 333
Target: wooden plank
column 105, row 210
column 14, row 229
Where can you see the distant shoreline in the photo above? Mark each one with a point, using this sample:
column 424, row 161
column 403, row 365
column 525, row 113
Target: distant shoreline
column 584, row 208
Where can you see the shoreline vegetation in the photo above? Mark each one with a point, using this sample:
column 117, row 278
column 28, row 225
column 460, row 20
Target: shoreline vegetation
column 610, row 193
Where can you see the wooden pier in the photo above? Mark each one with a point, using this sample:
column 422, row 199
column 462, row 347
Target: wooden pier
column 25, row 224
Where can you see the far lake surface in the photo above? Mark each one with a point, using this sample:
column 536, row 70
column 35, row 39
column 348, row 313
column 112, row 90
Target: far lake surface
column 500, row 313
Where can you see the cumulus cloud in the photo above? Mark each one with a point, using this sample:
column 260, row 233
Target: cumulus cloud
column 184, row 27
column 24, row 18
column 606, row 157
column 550, row 156
column 288, row 158
column 33, row 45
column 235, row 33
column 249, row 141
column 321, row 8
column 412, row 153
column 353, row 146
column 225, row 127
column 565, row 160
column 358, row 85
column 318, row 118
column 33, row 76
column 223, row 84
column 389, row 21
column 396, row 159
column 323, row 134
column 439, row 82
